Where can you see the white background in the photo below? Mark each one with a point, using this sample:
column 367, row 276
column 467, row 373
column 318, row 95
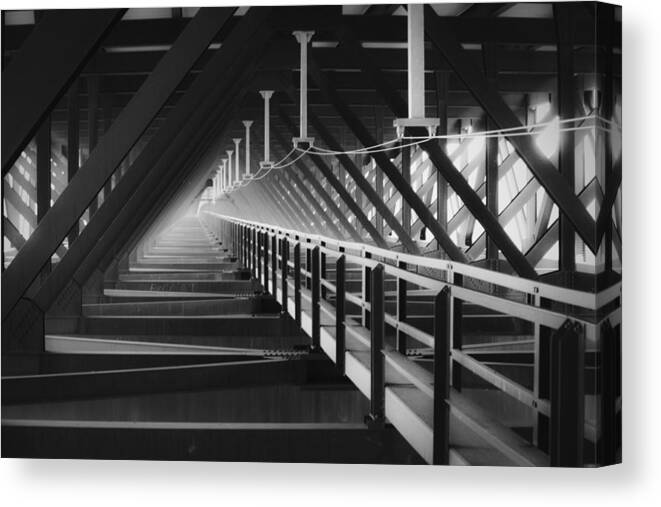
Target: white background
column 636, row 482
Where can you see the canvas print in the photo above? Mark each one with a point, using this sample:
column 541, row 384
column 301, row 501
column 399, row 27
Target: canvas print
column 381, row 234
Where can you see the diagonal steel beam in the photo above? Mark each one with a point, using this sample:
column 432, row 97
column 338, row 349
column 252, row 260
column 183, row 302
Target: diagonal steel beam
column 330, row 204
column 12, row 233
column 120, row 138
column 300, row 187
column 445, row 40
column 605, row 212
column 53, row 55
column 357, row 175
column 201, row 128
column 440, row 159
column 388, row 167
column 327, row 173
column 299, row 210
column 313, row 216
column 123, row 212
column 542, row 245
column 262, row 194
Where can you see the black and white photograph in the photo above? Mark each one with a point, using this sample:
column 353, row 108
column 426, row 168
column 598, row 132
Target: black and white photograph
column 339, row 234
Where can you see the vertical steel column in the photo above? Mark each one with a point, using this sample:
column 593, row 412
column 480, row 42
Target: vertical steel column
column 442, row 88
column 378, row 172
column 247, row 124
column 266, row 95
column 566, row 108
column 73, row 143
column 92, row 125
column 416, row 60
column 284, row 249
column 107, row 123
column 316, row 293
column 567, row 396
column 274, row 265
column 406, row 174
column 377, row 332
column 303, row 38
column 401, row 309
column 491, row 153
column 340, row 312
column 43, row 168
column 229, row 170
column 297, row 283
column 44, row 174
column 442, row 334
column 237, row 141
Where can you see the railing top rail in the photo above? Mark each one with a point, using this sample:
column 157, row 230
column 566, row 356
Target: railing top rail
column 583, row 299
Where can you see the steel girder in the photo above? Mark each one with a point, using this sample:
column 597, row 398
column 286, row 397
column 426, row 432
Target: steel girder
column 45, row 65
column 442, row 162
column 388, row 167
column 112, row 148
column 140, row 183
column 554, row 183
column 340, row 189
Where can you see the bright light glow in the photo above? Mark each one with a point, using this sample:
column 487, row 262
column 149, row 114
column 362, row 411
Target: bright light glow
column 549, row 140
column 476, row 146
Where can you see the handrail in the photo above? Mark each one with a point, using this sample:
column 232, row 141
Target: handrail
column 589, row 300
column 312, row 283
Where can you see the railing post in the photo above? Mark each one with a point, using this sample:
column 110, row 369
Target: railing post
column 244, row 245
column 456, row 326
column 274, row 265
column 297, row 283
column 316, row 283
column 284, row 248
column 535, row 300
column 377, row 331
column 235, row 250
column 401, row 309
column 367, row 287
column 340, row 311
column 567, row 396
column 258, row 256
column 308, row 266
column 265, row 282
column 254, row 252
column 323, row 271
column 247, row 246
column 442, row 335
column 609, row 386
